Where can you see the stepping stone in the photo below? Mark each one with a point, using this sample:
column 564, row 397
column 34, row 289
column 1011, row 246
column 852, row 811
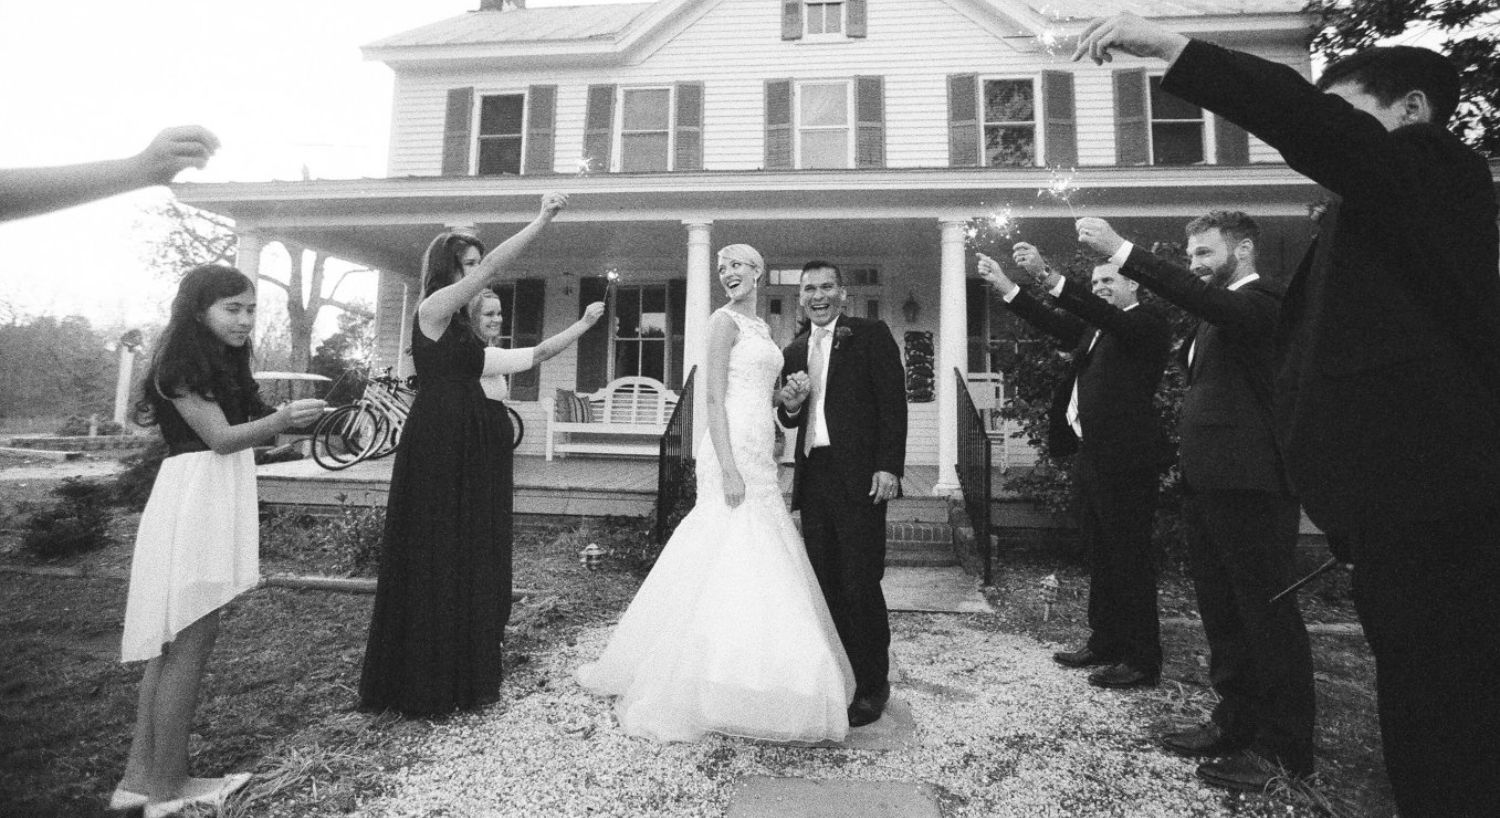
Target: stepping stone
column 766, row 797
column 934, row 590
column 896, row 730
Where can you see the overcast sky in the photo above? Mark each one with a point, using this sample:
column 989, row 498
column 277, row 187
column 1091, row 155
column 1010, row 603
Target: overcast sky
column 282, row 82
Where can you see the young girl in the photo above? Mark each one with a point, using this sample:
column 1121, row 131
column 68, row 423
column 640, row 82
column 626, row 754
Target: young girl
column 198, row 540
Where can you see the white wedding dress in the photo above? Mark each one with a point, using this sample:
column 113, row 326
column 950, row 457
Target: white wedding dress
column 730, row 633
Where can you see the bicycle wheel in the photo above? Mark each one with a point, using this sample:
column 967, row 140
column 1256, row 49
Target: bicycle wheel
column 390, row 436
column 517, row 425
column 344, row 437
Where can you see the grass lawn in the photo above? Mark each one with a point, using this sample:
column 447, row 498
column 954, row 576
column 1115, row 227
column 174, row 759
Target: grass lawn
column 280, row 691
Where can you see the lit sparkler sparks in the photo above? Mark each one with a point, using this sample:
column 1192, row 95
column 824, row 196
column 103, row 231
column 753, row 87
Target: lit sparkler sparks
column 585, row 165
column 1061, row 187
column 611, row 280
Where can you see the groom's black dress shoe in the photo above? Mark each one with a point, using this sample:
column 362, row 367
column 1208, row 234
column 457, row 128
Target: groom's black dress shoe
column 1083, row 657
column 1203, row 740
column 1123, row 675
column 867, row 709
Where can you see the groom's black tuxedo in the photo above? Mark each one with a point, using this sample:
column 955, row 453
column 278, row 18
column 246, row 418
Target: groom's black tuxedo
column 864, row 407
column 1388, row 406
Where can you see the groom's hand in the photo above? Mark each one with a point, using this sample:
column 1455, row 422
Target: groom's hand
column 883, row 486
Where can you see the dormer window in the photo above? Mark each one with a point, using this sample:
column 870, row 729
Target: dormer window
column 823, row 20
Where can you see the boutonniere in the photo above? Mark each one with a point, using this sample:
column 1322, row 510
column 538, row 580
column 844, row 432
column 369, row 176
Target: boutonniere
column 840, row 334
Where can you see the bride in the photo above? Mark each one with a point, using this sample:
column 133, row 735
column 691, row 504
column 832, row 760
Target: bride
column 730, row 633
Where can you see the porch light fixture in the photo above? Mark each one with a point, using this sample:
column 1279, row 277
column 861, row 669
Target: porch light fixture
column 911, row 310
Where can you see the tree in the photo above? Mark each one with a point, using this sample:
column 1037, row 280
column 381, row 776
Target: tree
column 188, row 237
column 1471, row 39
column 54, row 366
column 345, row 357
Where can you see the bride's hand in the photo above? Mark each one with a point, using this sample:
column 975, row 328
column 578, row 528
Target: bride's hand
column 734, row 489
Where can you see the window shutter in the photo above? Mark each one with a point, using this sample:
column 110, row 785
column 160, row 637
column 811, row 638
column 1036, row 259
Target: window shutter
column 1060, row 134
column 531, row 301
column 1231, row 143
column 1132, row 140
column 963, row 120
column 689, row 135
column 598, row 127
column 778, row 124
column 593, row 346
column 456, row 131
column 856, row 20
column 676, row 311
column 791, row 19
column 541, row 123
column 869, row 114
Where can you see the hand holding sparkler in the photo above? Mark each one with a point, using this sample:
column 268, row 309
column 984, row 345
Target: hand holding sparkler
column 592, row 313
column 1031, row 261
column 1097, row 235
column 990, row 270
column 1130, row 34
column 552, row 204
column 794, row 392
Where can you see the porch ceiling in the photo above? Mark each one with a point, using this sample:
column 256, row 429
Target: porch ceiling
column 386, row 223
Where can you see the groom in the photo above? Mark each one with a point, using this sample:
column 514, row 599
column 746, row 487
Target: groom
column 845, row 396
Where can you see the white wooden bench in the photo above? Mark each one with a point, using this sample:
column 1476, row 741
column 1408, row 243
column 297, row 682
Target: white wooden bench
column 629, row 417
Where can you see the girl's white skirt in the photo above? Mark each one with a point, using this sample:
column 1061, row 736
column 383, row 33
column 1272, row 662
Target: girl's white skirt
column 197, row 548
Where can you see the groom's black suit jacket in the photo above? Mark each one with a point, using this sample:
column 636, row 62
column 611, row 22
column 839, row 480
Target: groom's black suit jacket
column 1388, row 403
column 864, row 404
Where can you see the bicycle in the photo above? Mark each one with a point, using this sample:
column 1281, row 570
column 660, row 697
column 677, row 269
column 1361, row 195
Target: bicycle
column 367, row 429
column 370, row 428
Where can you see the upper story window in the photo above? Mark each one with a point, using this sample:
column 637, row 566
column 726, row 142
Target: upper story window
column 501, row 132
column 825, row 18
column 823, row 125
column 1010, row 130
column 646, row 129
column 1178, row 131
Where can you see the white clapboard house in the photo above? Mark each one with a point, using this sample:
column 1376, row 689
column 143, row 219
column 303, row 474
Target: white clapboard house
column 865, row 132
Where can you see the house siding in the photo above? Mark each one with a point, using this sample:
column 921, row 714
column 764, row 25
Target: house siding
column 736, row 45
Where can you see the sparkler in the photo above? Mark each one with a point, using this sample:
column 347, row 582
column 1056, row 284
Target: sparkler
column 611, row 281
column 585, row 165
column 1061, row 188
column 990, row 233
column 1051, row 40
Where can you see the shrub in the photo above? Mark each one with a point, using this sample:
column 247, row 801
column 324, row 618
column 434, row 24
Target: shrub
column 132, row 486
column 346, row 542
column 77, row 524
column 78, row 426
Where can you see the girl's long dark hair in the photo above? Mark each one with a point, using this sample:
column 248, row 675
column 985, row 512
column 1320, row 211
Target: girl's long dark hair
column 190, row 358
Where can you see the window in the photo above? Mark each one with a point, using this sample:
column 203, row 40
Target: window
column 645, row 129
column 501, row 126
column 1177, row 129
column 825, row 18
column 1009, row 107
column 823, row 125
column 639, row 342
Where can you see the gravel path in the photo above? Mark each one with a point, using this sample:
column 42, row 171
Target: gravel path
column 1002, row 731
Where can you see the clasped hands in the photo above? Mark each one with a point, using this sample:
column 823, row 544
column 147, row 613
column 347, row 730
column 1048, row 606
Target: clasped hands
column 794, row 392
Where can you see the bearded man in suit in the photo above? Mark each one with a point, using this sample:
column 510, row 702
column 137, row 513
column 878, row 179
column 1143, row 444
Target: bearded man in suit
column 1240, row 514
column 845, row 395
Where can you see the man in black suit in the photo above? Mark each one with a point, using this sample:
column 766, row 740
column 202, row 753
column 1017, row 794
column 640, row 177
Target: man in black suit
column 1388, row 403
column 1240, row 513
column 1105, row 413
column 845, row 395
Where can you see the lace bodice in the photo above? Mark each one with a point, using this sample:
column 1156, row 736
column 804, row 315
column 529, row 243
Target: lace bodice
column 754, row 365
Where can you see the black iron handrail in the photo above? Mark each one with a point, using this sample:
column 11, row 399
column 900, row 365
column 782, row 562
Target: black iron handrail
column 674, row 460
column 974, row 470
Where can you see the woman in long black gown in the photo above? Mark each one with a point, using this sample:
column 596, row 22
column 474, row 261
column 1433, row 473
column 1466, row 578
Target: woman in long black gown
column 444, row 593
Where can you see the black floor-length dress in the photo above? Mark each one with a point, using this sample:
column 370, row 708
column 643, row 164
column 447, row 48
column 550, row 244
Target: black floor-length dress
column 444, row 594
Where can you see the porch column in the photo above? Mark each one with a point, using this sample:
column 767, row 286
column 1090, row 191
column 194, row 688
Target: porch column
column 247, row 253
column 952, row 351
column 695, row 315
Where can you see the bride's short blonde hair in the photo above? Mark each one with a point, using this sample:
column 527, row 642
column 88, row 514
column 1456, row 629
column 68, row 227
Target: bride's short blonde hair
column 744, row 253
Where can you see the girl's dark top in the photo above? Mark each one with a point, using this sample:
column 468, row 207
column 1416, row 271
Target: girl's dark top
column 240, row 406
